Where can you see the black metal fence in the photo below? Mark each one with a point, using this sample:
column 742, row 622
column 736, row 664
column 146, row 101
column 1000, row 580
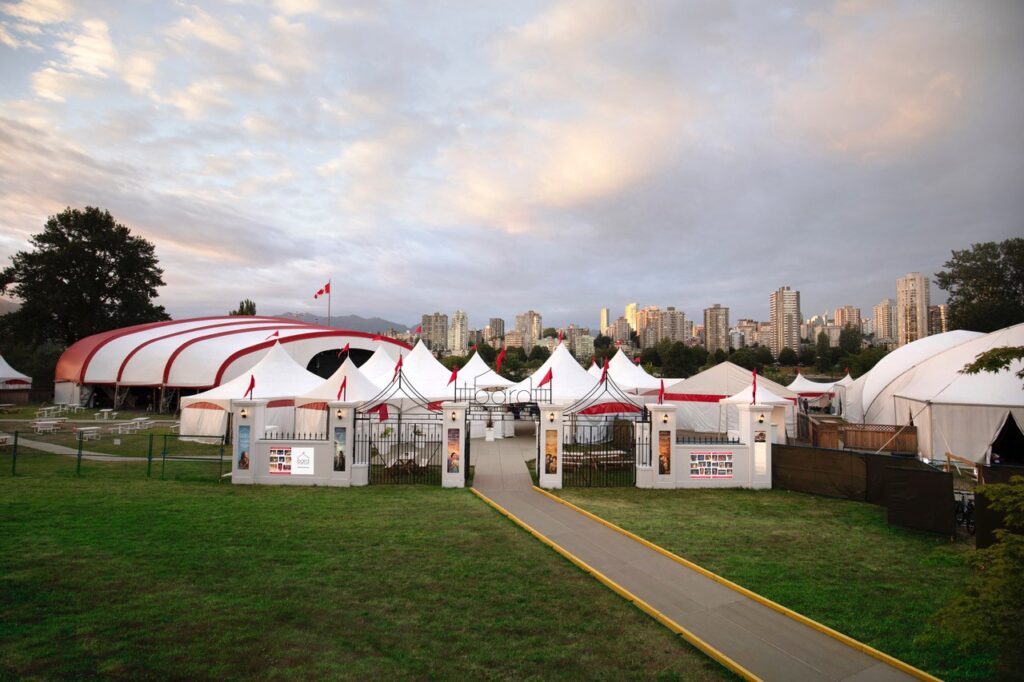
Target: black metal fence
column 402, row 451
column 129, row 455
column 602, row 453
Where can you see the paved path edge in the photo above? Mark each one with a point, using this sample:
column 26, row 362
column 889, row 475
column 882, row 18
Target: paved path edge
column 835, row 634
column 624, row 593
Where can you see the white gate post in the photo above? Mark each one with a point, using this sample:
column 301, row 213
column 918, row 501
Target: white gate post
column 248, row 420
column 662, row 457
column 341, row 421
column 550, row 455
column 756, row 432
column 453, row 435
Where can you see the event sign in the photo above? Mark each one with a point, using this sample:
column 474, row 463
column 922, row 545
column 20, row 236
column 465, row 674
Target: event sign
column 551, row 452
column 243, row 447
column 454, row 450
column 664, row 453
column 286, row 461
column 711, row 464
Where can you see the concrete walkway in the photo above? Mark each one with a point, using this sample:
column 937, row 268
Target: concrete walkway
column 762, row 642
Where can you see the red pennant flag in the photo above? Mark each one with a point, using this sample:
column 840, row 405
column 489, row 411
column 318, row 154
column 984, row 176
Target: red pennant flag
column 661, row 393
column 342, row 388
column 325, row 289
column 473, row 347
column 343, row 350
column 753, row 393
column 455, row 373
column 501, row 356
column 546, row 379
column 593, row 360
column 252, row 386
column 604, row 371
column 618, row 343
column 398, row 366
column 277, row 334
column 382, row 411
column 419, row 329
column 636, row 360
column 559, row 336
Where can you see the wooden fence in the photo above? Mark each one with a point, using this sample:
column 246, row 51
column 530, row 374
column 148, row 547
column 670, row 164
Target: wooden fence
column 834, row 433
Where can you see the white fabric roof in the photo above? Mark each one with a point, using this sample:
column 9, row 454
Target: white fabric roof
column 845, row 381
column 594, row 370
column 629, row 376
column 11, row 378
column 476, row 373
column 380, row 368
column 357, row 386
column 764, row 396
column 277, row 376
column 569, row 381
column 429, row 378
column 725, row 379
column 804, row 386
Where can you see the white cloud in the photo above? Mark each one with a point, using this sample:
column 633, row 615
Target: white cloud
column 55, row 84
column 39, row 11
column 205, row 28
column 10, row 40
column 90, row 51
column 200, row 97
column 138, row 71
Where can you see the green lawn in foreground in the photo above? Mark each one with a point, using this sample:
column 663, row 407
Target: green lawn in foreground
column 135, row 444
column 116, row 576
column 835, row 561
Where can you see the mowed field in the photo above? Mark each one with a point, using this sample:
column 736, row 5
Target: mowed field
column 111, row 574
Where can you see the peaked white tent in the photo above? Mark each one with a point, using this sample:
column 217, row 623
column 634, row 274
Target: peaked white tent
column 380, row 368
column 698, row 396
column 594, row 370
column 630, row 376
column 11, row 379
column 569, row 381
column 818, row 393
column 846, row 380
column 278, row 380
column 311, row 408
column 427, row 376
column 779, row 407
column 476, row 374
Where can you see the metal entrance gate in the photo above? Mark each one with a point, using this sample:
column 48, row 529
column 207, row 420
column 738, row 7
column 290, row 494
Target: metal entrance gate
column 409, row 449
column 603, row 451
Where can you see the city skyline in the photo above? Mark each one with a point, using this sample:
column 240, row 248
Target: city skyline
column 562, row 156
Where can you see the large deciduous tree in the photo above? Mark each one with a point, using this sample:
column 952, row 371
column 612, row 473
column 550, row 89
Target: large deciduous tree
column 985, row 285
column 245, row 307
column 86, row 274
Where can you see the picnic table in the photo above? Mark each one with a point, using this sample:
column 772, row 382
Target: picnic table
column 142, row 423
column 48, row 411
column 105, row 413
column 6, row 407
column 89, row 432
column 45, row 425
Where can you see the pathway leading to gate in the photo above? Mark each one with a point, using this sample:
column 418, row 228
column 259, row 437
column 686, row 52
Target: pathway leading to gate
column 754, row 640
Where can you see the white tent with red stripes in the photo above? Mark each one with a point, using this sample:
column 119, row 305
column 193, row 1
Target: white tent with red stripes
column 346, row 384
column 11, row 379
column 277, row 378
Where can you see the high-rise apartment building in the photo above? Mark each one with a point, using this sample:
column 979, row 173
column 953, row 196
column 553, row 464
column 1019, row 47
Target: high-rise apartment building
column 495, row 330
column 516, row 339
column 583, row 347
column 937, row 319
column 885, row 321
column 847, row 315
column 716, row 328
column 620, row 330
column 748, row 328
column 631, row 315
column 784, row 306
column 529, row 323
column 435, row 331
column 605, row 321
column 458, row 333
column 912, row 302
column 672, row 325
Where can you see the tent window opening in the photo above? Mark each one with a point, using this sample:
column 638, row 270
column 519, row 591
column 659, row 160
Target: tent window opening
column 1008, row 447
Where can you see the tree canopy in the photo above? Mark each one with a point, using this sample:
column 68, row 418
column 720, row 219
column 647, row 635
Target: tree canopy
column 823, row 352
column 86, row 274
column 850, row 339
column 985, row 285
column 788, row 357
column 245, row 307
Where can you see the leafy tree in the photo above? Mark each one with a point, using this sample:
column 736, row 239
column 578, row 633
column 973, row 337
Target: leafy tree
column 824, row 352
column 601, row 342
column 863, row 361
column 515, row 353
column 86, row 274
column 649, row 356
column 995, row 360
column 487, row 353
column 850, row 339
column 539, row 352
column 550, row 332
column 985, row 285
column 787, row 357
column 720, row 356
column 746, row 358
column 807, row 356
column 245, row 307
column 763, row 355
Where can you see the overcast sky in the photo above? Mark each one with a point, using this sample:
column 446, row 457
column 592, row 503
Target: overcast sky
column 499, row 156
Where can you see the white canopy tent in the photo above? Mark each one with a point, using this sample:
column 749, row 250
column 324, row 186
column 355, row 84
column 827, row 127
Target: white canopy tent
column 380, row 368
column 475, row 374
column 595, row 370
column 278, row 380
column 818, row 393
column 569, row 381
column 630, row 376
column 311, row 408
column 11, row 379
column 698, row 396
column 779, row 407
column 846, row 380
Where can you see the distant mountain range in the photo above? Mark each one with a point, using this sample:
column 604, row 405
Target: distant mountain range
column 352, row 322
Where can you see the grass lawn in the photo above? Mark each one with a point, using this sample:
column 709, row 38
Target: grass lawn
column 135, row 444
column 835, row 561
column 113, row 575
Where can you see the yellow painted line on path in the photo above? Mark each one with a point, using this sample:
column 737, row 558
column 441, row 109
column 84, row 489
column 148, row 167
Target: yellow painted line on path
column 835, row 634
column 626, row 594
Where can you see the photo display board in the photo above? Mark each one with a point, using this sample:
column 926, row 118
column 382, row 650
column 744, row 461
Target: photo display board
column 664, row 453
column 711, row 464
column 288, row 461
column 551, row 452
column 454, row 450
column 243, row 447
column 340, row 433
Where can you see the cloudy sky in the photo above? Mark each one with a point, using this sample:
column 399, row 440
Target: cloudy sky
column 499, row 156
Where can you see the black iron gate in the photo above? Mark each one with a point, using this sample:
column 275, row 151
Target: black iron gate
column 602, row 451
column 407, row 449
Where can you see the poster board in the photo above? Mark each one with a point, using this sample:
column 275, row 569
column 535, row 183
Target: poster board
column 711, row 464
column 285, row 460
column 244, row 440
column 551, row 451
column 454, row 450
column 664, row 453
column 340, row 434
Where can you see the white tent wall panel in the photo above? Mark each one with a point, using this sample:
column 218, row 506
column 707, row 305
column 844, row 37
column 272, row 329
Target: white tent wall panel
column 966, row 431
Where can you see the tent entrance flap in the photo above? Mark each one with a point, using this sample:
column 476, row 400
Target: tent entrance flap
column 1008, row 446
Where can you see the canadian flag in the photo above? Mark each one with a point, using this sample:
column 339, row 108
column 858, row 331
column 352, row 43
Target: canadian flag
column 546, row 379
column 501, row 356
column 604, row 371
column 323, row 291
column 398, row 367
column 252, row 386
column 343, row 350
column 342, row 388
column 661, row 393
column 455, row 373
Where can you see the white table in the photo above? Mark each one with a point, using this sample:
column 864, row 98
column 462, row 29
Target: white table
column 105, row 413
column 6, row 407
column 89, row 432
column 45, row 426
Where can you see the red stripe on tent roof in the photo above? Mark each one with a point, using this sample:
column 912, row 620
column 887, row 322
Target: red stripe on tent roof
column 281, row 403
column 199, row 339
column 205, row 406
column 694, row 397
column 17, row 381
column 312, row 406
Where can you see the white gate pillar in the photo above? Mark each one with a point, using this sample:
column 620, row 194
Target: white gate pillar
column 453, row 433
column 341, row 421
column 757, row 433
column 549, row 456
column 662, row 468
column 248, row 421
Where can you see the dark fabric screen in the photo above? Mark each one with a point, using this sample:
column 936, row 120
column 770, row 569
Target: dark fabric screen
column 920, row 499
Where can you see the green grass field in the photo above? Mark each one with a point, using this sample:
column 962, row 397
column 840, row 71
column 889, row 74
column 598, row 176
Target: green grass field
column 113, row 575
column 836, row 561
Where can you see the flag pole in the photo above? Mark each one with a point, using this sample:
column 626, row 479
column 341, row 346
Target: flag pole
column 328, row 303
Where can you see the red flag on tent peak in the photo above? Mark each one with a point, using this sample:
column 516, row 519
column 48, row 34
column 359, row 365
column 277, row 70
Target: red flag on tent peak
column 419, row 329
column 252, row 386
column 382, row 411
column 501, row 356
column 593, row 360
column 636, row 360
column 473, row 347
column 398, row 367
column 604, row 371
column 276, row 334
column 455, row 373
column 753, row 393
column 546, row 379
column 618, row 344
column 661, row 393
column 344, row 350
column 559, row 336
column 343, row 388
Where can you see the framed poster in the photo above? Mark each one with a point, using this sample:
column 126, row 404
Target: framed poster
column 454, row 450
column 280, row 461
column 717, row 464
column 664, row 453
column 340, row 433
column 243, row 447
column 551, row 452
column 302, row 461
column 760, row 453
